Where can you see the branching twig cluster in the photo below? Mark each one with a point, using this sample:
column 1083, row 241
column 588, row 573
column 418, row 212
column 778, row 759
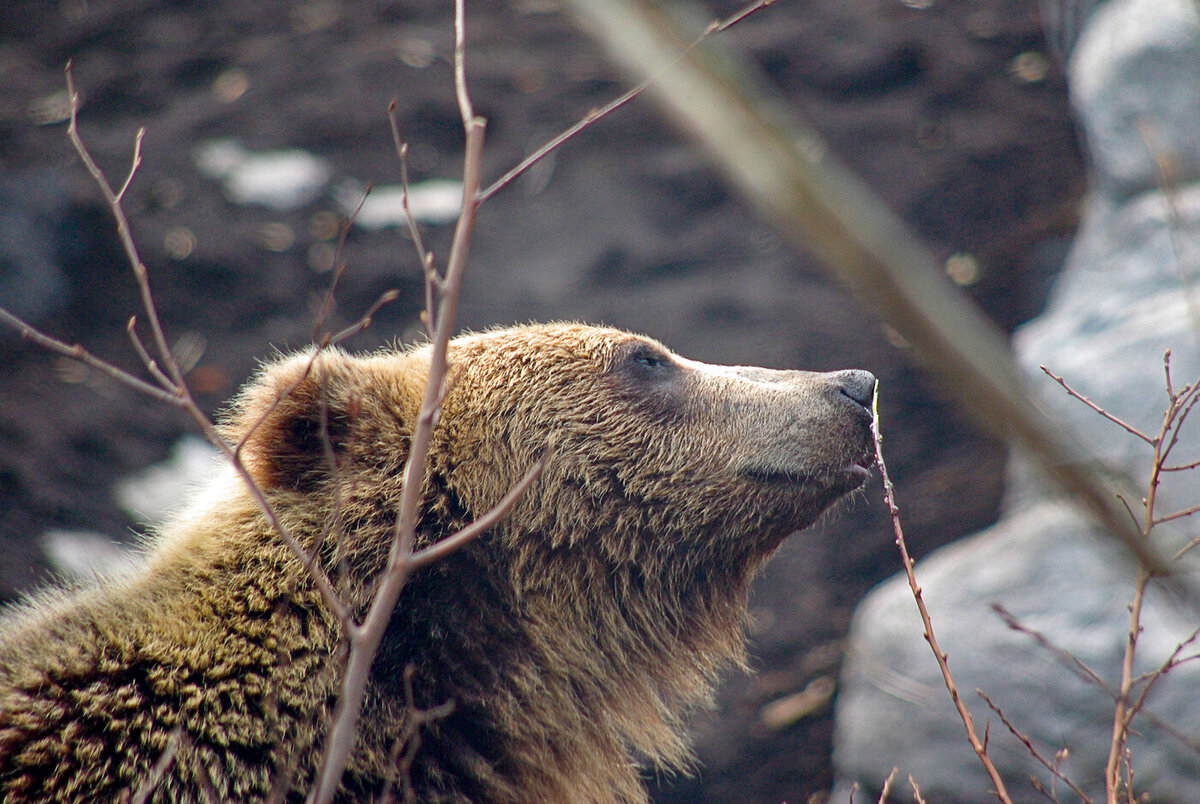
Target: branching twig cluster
column 441, row 299
column 889, row 494
column 1131, row 693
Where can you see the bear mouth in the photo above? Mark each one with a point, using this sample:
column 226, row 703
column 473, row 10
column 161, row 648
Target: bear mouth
column 848, row 478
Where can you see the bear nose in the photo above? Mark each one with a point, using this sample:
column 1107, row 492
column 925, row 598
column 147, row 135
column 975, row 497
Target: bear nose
column 857, row 385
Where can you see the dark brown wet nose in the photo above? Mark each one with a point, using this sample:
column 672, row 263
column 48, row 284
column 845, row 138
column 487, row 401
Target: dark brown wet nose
column 856, row 385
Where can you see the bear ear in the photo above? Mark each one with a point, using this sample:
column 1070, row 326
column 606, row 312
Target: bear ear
column 292, row 423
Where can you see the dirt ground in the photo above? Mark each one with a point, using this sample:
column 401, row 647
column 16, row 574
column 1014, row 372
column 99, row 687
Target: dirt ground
column 954, row 113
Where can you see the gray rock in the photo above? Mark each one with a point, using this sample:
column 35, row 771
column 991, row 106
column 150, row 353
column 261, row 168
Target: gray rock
column 1119, row 305
column 1135, row 80
column 1046, row 567
column 1129, row 292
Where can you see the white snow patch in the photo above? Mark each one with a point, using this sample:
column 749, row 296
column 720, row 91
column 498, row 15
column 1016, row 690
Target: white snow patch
column 279, row 180
column 84, row 554
column 155, row 492
column 435, row 201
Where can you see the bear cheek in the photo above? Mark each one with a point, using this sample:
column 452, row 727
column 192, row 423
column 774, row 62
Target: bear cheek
column 798, row 469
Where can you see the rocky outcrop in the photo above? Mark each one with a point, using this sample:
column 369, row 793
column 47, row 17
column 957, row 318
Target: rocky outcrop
column 1128, row 294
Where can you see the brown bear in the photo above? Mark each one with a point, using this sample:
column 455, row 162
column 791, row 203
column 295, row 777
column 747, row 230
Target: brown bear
column 546, row 661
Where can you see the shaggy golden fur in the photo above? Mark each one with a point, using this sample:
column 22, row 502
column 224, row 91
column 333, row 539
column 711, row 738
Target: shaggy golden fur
column 570, row 640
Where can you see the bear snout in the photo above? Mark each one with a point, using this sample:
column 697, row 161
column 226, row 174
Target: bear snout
column 857, row 386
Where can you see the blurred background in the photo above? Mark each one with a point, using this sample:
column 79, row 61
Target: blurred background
column 264, row 123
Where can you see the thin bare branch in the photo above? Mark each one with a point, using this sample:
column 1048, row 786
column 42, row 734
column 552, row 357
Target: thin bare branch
column 78, row 353
column 1032, row 749
column 1129, row 510
column 554, row 143
column 165, row 369
column 1123, row 425
column 135, row 163
column 160, row 767
column 1166, row 667
column 1073, row 663
column 1167, row 373
column 147, row 360
column 594, row 115
column 1150, row 679
column 964, row 714
column 203, row 774
column 320, row 579
column 404, row 749
column 439, row 550
column 717, row 26
column 1187, row 548
column 916, row 791
column 339, row 268
column 465, row 110
column 387, row 297
column 1125, row 710
column 1186, row 512
column 1182, row 406
column 124, row 233
column 1070, row 660
column 1122, row 713
column 365, row 638
column 887, row 785
column 1167, row 170
column 414, row 230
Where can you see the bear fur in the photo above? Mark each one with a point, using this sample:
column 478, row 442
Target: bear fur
column 546, row 661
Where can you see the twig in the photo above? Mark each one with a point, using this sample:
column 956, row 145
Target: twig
column 78, row 353
column 465, row 109
column 1129, row 428
column 204, row 778
column 160, row 767
column 594, row 115
column 916, row 791
column 365, row 638
column 1167, row 372
column 887, row 786
column 439, row 550
column 134, row 163
column 1122, row 712
column 1066, row 657
column 149, row 362
column 405, row 748
column 1167, row 170
column 889, row 496
column 1182, row 467
column 339, row 268
column 1179, row 405
column 387, row 297
column 432, row 280
column 733, row 19
column 1090, row 676
column 553, row 144
column 174, row 389
column 1029, row 747
column 1178, row 515
column 123, row 230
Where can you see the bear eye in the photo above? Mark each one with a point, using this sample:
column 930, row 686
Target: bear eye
column 648, row 360
column 650, row 378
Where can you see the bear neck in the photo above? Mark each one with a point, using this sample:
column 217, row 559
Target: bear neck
column 565, row 671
